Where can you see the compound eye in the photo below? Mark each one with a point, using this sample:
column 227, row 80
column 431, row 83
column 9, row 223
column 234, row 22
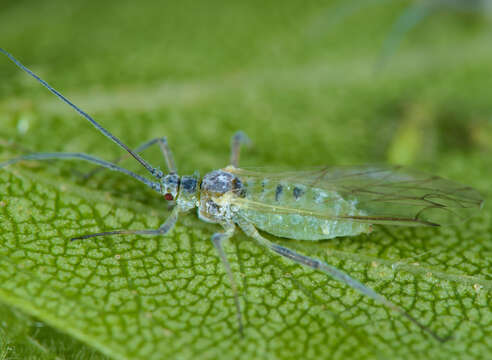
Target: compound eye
column 168, row 197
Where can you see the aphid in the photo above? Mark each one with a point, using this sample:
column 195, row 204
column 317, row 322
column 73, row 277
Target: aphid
column 308, row 205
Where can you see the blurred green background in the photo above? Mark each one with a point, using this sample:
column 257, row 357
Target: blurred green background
column 311, row 83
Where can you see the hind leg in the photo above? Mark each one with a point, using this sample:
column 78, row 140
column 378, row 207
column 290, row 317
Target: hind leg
column 250, row 230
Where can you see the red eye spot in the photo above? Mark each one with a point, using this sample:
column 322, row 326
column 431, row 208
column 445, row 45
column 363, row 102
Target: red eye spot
column 168, row 197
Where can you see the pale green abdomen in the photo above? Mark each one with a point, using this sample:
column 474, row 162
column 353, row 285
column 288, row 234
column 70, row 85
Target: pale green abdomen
column 297, row 224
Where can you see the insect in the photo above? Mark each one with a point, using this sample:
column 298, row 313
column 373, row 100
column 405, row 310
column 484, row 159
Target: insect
column 308, row 205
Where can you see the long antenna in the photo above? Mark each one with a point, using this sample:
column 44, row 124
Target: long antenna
column 153, row 171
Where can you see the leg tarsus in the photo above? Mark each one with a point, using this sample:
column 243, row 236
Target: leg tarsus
column 218, row 239
column 238, row 139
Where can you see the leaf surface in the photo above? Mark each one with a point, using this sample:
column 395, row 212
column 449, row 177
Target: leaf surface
column 133, row 297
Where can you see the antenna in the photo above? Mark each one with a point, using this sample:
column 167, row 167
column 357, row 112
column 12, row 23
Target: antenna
column 153, row 171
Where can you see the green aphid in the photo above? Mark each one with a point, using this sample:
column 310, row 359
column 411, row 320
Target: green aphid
column 305, row 205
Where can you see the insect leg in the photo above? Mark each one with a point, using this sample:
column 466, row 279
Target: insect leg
column 162, row 230
column 218, row 239
column 316, row 264
column 162, row 142
column 85, row 157
column 237, row 140
column 168, row 155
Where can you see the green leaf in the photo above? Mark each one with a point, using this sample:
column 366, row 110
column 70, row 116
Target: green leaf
column 305, row 100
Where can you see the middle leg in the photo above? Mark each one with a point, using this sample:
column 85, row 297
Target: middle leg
column 218, row 240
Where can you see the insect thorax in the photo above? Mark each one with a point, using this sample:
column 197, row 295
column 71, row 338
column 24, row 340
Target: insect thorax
column 188, row 196
column 217, row 189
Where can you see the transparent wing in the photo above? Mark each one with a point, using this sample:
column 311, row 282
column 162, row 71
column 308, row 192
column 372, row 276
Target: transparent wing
column 385, row 194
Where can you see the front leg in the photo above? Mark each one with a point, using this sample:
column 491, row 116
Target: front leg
column 162, row 230
column 218, row 239
column 166, row 152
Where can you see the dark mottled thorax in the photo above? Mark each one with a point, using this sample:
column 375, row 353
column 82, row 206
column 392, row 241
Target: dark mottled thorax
column 214, row 186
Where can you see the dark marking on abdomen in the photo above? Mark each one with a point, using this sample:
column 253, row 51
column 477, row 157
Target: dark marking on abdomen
column 278, row 192
column 238, row 187
column 298, row 192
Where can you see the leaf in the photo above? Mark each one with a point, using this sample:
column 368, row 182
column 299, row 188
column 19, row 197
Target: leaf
column 136, row 297
column 24, row 337
column 168, row 297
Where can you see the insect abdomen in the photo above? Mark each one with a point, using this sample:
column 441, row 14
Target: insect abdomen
column 298, row 225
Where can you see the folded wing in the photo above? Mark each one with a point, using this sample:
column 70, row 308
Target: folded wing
column 383, row 194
